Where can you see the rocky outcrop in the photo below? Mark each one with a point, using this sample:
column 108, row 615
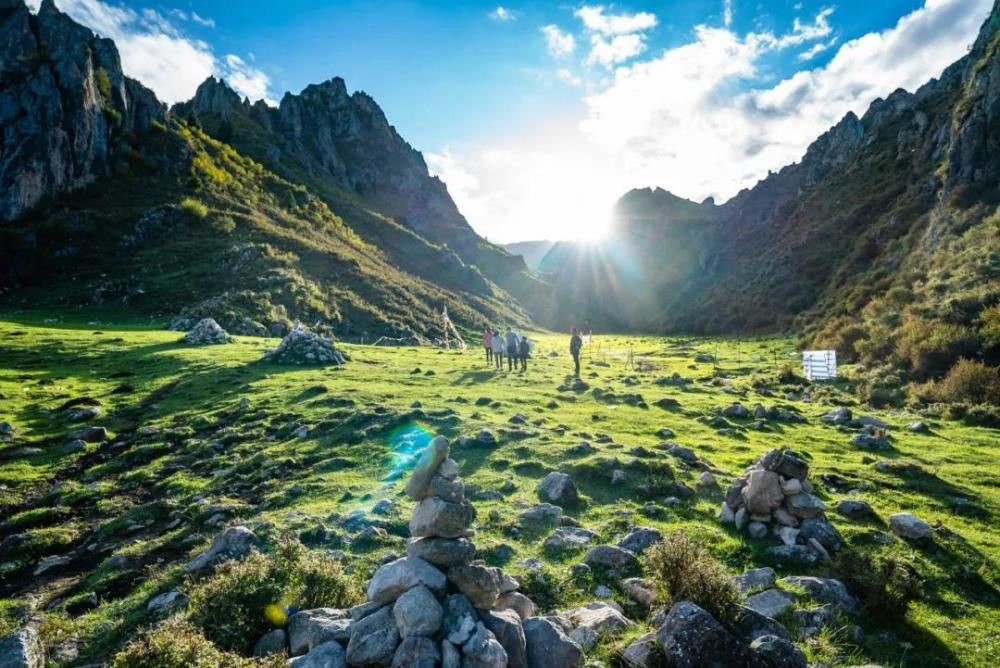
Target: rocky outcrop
column 63, row 102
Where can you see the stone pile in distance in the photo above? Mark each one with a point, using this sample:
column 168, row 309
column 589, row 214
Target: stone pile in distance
column 774, row 496
column 206, row 332
column 438, row 606
column 302, row 347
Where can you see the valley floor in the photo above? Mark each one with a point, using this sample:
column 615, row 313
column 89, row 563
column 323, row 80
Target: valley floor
column 201, row 436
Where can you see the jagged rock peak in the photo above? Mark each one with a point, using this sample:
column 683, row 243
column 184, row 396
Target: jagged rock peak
column 65, row 100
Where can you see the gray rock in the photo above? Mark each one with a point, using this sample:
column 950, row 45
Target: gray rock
column 206, row 332
column 805, row 505
column 568, row 538
column 22, row 649
column 762, row 492
column 691, row 638
column 417, row 652
column 827, row 590
column 820, row 529
column 448, row 490
column 602, row 617
column 444, row 519
column 505, row 625
column 757, row 578
column 451, row 656
column 373, row 639
column 483, row 650
column 611, row 558
column 273, row 642
column 51, row 562
column 443, row 552
column 481, row 584
column 838, row 416
column 751, row 625
column 516, row 601
column 640, row 539
column 558, row 488
column 542, row 513
column 798, row 555
column 911, row 527
column 810, row 622
column 417, row 613
column 448, row 469
column 640, row 590
column 778, row 652
column 328, row 655
column 310, row 628
column 771, row 602
column 643, row 652
column 166, row 603
column 398, row 576
column 548, row 645
column 233, row 543
column 459, row 619
column 855, row 509
column 426, row 468
column 757, row 529
column 919, row 427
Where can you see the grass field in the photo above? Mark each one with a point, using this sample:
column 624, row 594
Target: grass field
column 229, row 445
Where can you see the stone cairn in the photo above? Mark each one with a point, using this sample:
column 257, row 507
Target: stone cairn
column 303, row 347
column 774, row 496
column 438, row 606
column 206, row 332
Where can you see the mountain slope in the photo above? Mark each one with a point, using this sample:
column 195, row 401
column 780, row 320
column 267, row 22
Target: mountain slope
column 875, row 205
column 113, row 200
column 531, row 251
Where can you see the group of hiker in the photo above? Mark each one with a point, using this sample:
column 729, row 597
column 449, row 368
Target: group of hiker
column 517, row 348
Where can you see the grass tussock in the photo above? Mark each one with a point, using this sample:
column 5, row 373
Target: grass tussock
column 177, row 643
column 683, row 570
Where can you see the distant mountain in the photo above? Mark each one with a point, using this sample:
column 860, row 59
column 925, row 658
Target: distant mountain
column 883, row 236
column 254, row 215
column 531, row 251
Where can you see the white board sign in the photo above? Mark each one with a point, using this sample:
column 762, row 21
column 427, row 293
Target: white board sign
column 819, row 364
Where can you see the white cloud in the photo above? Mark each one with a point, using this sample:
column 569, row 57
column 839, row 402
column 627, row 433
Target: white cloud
column 503, row 14
column 158, row 54
column 816, row 49
column 727, row 13
column 566, row 76
column 560, row 44
column 207, row 22
column 596, row 20
column 611, row 51
column 702, row 118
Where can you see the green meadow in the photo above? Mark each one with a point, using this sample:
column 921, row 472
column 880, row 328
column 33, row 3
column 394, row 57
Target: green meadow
column 203, row 437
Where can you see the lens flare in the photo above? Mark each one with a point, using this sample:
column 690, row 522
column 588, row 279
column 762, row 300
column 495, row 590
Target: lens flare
column 405, row 443
column 275, row 614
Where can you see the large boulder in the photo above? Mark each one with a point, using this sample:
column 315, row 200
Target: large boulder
column 611, row 558
column 426, row 467
column 558, row 488
column 398, row 576
column 771, row 602
column 233, row 543
column 417, row 652
column 640, row 539
column 776, row 652
column 547, row 645
column 692, row 638
column 373, row 639
column 417, row 613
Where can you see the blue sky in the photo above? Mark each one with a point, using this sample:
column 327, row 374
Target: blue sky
column 539, row 115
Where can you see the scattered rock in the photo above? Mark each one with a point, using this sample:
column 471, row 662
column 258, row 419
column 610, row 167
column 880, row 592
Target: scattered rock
column 770, row 602
column 757, row 578
column 640, row 539
column 558, row 488
column 778, row 652
column 548, row 645
column 310, row 628
column 611, row 558
column 826, row 590
column 911, row 527
column 692, row 638
column 568, row 538
column 855, row 509
column 206, row 332
column 233, row 543
column 167, row 603
column 274, row 642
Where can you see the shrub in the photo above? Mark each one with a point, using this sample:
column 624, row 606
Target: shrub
column 245, row 599
column 685, row 571
column 177, row 643
column 929, row 348
column 194, row 207
column 886, row 584
column 969, row 382
column 989, row 328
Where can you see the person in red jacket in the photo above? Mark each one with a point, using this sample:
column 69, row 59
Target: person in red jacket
column 488, row 344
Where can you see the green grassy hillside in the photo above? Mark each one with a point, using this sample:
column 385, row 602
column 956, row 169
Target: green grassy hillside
column 203, row 437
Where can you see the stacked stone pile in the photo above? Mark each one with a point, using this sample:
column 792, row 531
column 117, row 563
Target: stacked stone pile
column 774, row 496
column 206, row 332
column 303, row 347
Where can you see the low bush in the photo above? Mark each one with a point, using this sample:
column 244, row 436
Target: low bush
column 969, row 382
column 245, row 599
column 194, row 207
column 886, row 584
column 685, row 571
column 989, row 327
column 930, row 348
column 177, row 643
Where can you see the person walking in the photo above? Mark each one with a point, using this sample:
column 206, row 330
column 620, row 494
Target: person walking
column 496, row 342
column 575, row 344
column 488, row 344
column 523, row 350
column 510, row 338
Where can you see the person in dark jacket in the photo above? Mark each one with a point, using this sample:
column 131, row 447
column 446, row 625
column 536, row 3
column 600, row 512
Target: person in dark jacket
column 523, row 350
column 575, row 345
column 510, row 338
